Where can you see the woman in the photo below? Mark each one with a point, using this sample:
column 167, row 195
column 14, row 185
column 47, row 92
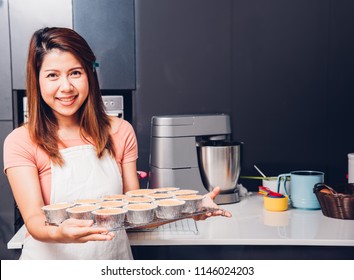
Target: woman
column 69, row 149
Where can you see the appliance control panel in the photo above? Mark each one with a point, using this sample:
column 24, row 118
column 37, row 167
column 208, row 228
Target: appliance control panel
column 114, row 105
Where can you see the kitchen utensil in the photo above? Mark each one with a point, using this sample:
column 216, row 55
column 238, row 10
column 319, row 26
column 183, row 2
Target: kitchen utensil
column 260, row 172
column 219, row 163
column 257, row 177
column 272, row 184
column 266, row 191
column 301, row 189
column 275, row 203
column 177, row 145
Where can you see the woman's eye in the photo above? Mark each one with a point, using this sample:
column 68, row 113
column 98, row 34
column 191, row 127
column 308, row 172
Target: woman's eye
column 52, row 76
column 75, row 73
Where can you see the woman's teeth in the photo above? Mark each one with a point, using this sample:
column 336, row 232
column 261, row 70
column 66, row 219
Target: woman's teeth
column 67, row 99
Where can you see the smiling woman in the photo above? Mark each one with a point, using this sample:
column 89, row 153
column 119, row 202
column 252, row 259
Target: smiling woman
column 69, row 150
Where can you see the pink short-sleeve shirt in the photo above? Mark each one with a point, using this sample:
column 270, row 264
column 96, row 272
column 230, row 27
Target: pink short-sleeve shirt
column 20, row 150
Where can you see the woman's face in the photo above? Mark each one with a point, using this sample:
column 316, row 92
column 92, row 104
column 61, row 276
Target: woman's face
column 63, row 84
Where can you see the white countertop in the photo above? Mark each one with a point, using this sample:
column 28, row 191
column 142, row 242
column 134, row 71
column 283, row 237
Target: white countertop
column 250, row 225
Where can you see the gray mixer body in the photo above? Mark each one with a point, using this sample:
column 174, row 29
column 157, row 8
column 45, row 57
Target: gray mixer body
column 173, row 153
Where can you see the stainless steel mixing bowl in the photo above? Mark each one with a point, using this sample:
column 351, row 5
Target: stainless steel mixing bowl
column 219, row 164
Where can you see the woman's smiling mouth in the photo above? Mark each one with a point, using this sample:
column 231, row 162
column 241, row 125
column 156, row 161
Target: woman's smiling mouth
column 67, row 101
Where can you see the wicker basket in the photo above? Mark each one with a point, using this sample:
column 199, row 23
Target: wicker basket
column 339, row 203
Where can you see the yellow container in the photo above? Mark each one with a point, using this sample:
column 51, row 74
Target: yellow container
column 276, row 204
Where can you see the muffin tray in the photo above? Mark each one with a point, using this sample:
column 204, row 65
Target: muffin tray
column 158, row 221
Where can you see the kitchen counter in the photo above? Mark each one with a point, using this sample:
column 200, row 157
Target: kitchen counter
column 252, row 225
column 249, row 225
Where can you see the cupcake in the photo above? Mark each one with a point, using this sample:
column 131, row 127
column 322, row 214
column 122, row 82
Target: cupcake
column 158, row 196
column 167, row 189
column 139, row 199
column 193, row 202
column 83, row 212
column 112, row 204
column 185, row 192
column 140, row 213
column 114, row 197
column 140, row 192
column 87, row 201
column 56, row 213
column 111, row 218
column 169, row 208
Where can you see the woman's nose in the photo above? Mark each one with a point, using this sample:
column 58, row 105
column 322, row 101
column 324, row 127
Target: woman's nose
column 66, row 84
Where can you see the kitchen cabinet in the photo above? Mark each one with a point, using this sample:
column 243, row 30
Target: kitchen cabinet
column 25, row 18
column 7, row 213
column 108, row 27
column 6, row 198
column 5, row 68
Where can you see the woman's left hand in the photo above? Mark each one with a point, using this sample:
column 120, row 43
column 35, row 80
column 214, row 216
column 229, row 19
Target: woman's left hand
column 208, row 201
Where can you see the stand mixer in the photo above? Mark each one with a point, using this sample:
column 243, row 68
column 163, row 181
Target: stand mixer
column 195, row 152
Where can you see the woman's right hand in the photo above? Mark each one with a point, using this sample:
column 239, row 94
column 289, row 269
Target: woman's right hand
column 80, row 231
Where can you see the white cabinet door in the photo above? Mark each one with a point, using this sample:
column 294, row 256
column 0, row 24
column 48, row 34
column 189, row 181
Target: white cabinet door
column 25, row 18
column 5, row 66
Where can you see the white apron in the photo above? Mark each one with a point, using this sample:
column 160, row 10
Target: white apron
column 83, row 176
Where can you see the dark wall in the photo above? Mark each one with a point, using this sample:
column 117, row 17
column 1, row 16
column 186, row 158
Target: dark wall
column 282, row 70
column 183, row 51
column 280, row 74
column 340, row 86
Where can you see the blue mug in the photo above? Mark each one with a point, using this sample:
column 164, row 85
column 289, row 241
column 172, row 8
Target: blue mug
column 301, row 188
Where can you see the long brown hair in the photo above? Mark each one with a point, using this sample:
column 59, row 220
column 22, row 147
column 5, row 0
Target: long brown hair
column 42, row 124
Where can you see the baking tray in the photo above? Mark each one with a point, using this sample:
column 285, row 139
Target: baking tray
column 175, row 228
column 158, row 221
